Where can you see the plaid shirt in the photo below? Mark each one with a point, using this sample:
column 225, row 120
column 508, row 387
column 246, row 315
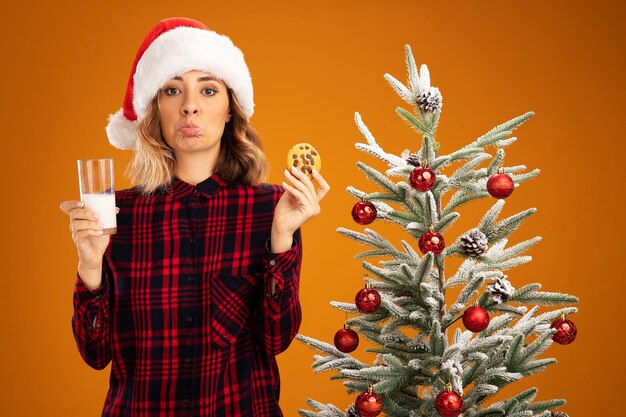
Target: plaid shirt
column 185, row 313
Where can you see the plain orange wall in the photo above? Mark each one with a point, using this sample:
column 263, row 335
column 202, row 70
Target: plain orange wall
column 64, row 70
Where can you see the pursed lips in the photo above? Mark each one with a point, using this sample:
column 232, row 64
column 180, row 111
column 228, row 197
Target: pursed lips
column 189, row 129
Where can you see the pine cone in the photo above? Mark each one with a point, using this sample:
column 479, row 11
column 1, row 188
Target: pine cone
column 430, row 100
column 501, row 290
column 352, row 411
column 474, row 243
column 414, row 160
column 558, row 414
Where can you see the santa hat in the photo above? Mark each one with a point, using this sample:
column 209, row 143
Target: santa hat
column 171, row 48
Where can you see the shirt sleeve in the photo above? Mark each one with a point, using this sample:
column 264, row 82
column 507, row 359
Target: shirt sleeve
column 280, row 312
column 91, row 321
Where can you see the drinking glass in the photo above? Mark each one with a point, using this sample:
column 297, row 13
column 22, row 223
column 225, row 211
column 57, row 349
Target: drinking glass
column 95, row 178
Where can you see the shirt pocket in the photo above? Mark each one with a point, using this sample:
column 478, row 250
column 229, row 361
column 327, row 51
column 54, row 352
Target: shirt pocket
column 232, row 301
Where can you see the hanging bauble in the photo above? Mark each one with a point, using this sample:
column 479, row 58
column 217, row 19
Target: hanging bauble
column 367, row 299
column 448, row 403
column 368, row 404
column 423, row 178
column 476, row 319
column 364, row 212
column 500, row 185
column 565, row 330
column 431, row 242
column 558, row 414
column 346, row 339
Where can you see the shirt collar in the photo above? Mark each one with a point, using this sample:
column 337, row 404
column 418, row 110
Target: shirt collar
column 181, row 189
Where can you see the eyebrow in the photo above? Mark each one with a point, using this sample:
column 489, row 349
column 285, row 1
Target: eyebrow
column 206, row 78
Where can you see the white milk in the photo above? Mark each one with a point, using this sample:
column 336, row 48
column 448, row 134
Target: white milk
column 104, row 205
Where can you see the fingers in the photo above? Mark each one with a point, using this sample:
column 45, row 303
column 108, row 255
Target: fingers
column 306, row 189
column 78, row 225
column 83, row 214
column 82, row 236
column 74, row 209
column 297, row 194
column 67, row 206
column 302, row 177
column 324, row 188
column 83, row 221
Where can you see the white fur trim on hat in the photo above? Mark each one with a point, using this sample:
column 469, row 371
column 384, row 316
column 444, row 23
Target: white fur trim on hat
column 122, row 132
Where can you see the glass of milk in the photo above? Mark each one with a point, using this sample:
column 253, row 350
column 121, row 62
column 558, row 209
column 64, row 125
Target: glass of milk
column 95, row 178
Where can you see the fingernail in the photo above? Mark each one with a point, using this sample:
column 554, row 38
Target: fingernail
column 293, row 169
column 97, row 216
column 100, row 224
column 81, row 204
column 99, row 232
column 315, row 170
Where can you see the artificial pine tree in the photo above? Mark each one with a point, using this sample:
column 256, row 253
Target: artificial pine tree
column 439, row 372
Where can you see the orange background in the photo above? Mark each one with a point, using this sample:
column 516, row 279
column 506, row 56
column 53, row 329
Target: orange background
column 313, row 65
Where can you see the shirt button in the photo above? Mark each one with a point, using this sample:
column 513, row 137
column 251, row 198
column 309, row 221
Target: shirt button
column 192, row 241
column 272, row 262
column 190, row 278
column 189, row 318
column 188, row 360
column 195, row 191
column 97, row 297
column 187, row 401
column 276, row 297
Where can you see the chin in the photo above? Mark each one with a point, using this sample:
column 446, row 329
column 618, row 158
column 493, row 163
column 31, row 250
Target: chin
column 194, row 144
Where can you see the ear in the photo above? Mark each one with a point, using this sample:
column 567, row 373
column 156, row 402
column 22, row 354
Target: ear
column 229, row 116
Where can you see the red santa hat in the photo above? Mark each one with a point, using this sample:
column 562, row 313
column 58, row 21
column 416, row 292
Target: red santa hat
column 171, row 48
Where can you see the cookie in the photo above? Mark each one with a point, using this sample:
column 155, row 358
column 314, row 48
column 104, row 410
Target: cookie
column 304, row 157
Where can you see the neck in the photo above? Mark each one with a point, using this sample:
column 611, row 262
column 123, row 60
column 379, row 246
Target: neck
column 194, row 168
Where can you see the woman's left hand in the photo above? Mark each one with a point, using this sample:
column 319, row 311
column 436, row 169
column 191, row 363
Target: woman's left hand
column 299, row 203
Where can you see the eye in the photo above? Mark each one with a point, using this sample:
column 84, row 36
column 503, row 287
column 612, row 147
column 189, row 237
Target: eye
column 169, row 91
column 209, row 91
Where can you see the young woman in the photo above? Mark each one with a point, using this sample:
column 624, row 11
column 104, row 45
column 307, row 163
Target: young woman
column 198, row 291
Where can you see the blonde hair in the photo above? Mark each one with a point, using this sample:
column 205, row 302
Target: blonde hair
column 241, row 156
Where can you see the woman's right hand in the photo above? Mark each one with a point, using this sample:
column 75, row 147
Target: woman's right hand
column 90, row 242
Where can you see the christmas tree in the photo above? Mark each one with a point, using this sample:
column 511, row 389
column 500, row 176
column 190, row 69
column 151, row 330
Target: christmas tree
column 438, row 371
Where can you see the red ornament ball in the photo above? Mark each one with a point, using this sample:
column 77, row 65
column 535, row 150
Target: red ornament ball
column 423, row 179
column 346, row 340
column 364, row 212
column 431, row 242
column 449, row 404
column 367, row 300
column 565, row 331
column 368, row 404
column 500, row 185
column 476, row 319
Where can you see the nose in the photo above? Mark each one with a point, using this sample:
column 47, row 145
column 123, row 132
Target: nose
column 189, row 106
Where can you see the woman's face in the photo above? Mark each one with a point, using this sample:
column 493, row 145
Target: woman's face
column 194, row 109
